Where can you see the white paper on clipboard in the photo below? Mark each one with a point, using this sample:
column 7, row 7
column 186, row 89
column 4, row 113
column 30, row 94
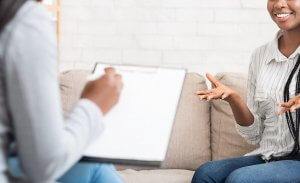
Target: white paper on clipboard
column 139, row 127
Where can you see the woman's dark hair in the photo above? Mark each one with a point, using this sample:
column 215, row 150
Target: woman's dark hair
column 8, row 9
column 292, row 123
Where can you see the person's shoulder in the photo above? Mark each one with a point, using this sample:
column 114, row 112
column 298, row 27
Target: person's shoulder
column 32, row 14
column 32, row 23
column 29, row 30
column 260, row 54
column 263, row 49
column 30, row 18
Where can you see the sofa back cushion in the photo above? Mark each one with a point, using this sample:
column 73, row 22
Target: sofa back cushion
column 225, row 141
column 71, row 86
column 190, row 141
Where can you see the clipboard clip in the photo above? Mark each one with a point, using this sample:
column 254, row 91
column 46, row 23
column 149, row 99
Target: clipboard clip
column 129, row 68
column 134, row 69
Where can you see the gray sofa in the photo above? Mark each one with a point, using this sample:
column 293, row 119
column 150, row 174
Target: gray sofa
column 203, row 131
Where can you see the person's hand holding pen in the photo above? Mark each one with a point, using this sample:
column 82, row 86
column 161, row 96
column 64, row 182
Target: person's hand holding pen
column 105, row 91
column 291, row 105
column 219, row 92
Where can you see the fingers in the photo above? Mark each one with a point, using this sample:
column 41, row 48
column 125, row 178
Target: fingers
column 204, row 97
column 209, row 95
column 114, row 77
column 118, row 77
column 224, row 96
column 213, row 96
column 286, row 104
column 291, row 105
column 212, row 79
column 295, row 106
column 110, row 71
column 282, row 111
column 291, row 102
column 285, row 109
column 120, row 84
column 204, row 92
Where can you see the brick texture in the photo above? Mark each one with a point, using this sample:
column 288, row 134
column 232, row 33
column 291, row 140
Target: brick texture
column 200, row 35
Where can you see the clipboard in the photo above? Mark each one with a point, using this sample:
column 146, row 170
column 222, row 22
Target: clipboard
column 139, row 127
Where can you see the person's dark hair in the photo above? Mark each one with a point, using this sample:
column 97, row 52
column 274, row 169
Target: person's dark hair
column 292, row 123
column 8, row 9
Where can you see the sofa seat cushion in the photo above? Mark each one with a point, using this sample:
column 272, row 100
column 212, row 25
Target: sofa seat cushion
column 157, row 176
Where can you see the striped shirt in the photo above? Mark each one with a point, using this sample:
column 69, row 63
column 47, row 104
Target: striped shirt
column 268, row 72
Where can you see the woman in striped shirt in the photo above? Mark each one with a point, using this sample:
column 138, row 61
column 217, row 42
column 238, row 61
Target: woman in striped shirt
column 271, row 116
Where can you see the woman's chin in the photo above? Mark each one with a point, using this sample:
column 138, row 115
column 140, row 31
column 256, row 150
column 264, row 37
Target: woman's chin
column 288, row 27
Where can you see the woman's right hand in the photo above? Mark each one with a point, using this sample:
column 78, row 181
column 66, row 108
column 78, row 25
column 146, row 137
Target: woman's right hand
column 105, row 91
column 219, row 92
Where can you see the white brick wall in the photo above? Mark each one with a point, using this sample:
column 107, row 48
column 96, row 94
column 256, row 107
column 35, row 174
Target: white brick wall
column 201, row 35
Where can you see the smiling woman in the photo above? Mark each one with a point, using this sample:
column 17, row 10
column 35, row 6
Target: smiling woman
column 273, row 82
column 284, row 13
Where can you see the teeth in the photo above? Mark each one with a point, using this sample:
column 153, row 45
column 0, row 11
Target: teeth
column 282, row 15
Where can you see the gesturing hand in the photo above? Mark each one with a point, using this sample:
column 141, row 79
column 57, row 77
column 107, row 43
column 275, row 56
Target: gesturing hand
column 219, row 92
column 291, row 105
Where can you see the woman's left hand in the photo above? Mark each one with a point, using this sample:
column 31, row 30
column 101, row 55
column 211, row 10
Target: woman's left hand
column 291, row 105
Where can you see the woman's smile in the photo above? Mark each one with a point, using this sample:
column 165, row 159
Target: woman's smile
column 285, row 13
column 282, row 17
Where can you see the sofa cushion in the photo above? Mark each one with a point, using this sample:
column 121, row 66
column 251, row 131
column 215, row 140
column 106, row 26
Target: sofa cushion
column 157, row 176
column 225, row 141
column 190, row 141
column 71, row 86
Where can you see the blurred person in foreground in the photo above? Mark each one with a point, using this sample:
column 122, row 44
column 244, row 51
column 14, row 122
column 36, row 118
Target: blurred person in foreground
column 48, row 147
